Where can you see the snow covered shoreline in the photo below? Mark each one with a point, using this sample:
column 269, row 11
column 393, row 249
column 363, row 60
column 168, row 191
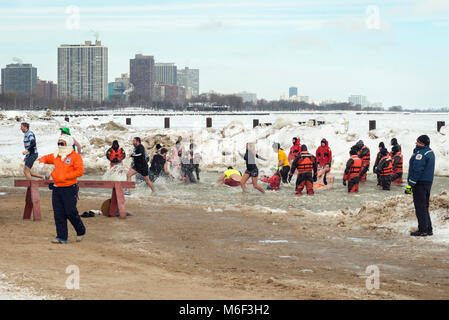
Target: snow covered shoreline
column 219, row 146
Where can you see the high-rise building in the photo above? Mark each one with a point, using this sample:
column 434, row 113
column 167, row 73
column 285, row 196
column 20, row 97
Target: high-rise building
column 292, row 92
column 47, row 89
column 19, row 78
column 190, row 80
column 169, row 93
column 358, row 100
column 119, row 86
column 142, row 77
column 83, row 71
column 247, row 96
column 165, row 73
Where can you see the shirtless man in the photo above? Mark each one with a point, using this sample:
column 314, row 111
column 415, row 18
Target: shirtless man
column 325, row 179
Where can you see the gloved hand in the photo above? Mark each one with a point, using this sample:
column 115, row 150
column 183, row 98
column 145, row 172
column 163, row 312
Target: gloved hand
column 344, row 182
column 408, row 190
column 315, row 178
column 290, row 178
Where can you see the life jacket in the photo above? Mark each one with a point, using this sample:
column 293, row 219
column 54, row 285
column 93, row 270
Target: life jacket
column 367, row 157
column 399, row 166
column 388, row 169
column 305, row 163
column 115, row 154
column 355, row 169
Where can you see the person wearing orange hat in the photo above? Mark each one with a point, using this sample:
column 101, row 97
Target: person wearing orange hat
column 68, row 168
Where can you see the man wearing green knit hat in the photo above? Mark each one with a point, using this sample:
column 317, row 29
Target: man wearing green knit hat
column 76, row 145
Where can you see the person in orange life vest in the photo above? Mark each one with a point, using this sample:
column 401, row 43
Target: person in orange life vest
column 378, row 157
column 385, row 170
column 274, row 181
column 68, row 168
column 323, row 154
column 398, row 161
column 364, row 155
column 306, row 165
column 295, row 149
column 351, row 176
column 115, row 154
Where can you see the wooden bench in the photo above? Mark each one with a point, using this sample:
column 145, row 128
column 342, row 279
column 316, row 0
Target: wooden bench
column 32, row 202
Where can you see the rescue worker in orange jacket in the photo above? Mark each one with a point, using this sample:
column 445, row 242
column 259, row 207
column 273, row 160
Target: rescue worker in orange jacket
column 352, row 172
column 364, row 155
column 115, row 154
column 385, row 170
column 378, row 157
column 398, row 161
column 306, row 165
column 68, row 168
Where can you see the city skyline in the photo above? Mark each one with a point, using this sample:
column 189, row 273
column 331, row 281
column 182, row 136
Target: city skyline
column 390, row 51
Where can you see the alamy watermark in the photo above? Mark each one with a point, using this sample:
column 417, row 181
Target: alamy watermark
column 73, row 280
column 372, row 282
column 372, row 21
column 73, row 21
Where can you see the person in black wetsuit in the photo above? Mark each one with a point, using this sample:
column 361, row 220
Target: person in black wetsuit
column 139, row 164
column 251, row 168
column 159, row 165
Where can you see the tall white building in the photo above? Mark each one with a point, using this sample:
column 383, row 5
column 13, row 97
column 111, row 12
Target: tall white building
column 358, row 100
column 83, row 71
column 189, row 79
column 166, row 73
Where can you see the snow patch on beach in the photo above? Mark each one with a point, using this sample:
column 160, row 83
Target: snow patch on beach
column 11, row 292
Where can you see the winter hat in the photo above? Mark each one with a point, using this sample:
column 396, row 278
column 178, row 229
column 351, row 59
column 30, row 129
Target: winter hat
column 382, row 145
column 384, row 152
column 303, row 147
column 424, row 139
column 395, row 149
column 394, row 141
column 353, row 151
column 360, row 143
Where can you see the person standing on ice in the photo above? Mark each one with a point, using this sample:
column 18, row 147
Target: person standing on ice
column 251, row 168
column 378, row 157
column 420, row 178
column 323, row 154
column 283, row 163
column 68, row 168
column 398, row 161
column 306, row 165
column 385, row 169
column 351, row 177
column 139, row 164
column 115, row 154
column 30, row 153
column 364, row 155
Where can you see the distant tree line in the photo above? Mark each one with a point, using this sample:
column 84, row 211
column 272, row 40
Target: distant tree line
column 219, row 102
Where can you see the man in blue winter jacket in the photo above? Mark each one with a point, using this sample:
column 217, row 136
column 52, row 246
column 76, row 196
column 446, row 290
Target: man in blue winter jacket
column 420, row 178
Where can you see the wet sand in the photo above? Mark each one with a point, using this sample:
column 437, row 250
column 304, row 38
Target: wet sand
column 175, row 252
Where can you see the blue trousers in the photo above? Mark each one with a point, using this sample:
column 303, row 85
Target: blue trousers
column 421, row 197
column 64, row 201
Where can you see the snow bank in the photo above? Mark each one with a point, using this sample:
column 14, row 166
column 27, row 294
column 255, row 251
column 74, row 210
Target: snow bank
column 219, row 147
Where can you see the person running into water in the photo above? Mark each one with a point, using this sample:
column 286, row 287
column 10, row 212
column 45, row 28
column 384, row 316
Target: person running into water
column 115, row 154
column 274, row 181
column 251, row 168
column 73, row 142
column 177, row 153
column 230, row 177
column 139, row 165
column 159, row 165
column 325, row 178
column 30, row 153
column 190, row 164
column 306, row 165
column 283, row 163
column 68, row 168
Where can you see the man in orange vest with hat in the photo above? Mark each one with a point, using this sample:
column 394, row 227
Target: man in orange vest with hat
column 68, row 168
column 353, row 169
column 306, row 165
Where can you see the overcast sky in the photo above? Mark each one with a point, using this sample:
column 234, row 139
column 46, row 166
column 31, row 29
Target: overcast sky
column 392, row 51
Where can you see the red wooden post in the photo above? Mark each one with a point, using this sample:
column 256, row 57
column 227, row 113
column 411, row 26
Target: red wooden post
column 32, row 202
column 28, row 205
column 117, row 201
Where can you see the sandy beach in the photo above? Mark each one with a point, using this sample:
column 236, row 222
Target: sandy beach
column 176, row 252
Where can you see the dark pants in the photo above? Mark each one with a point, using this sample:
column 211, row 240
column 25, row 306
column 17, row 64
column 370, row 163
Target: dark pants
column 64, row 201
column 353, row 184
column 421, row 197
column 304, row 180
column 397, row 177
column 284, row 174
column 385, row 182
column 188, row 172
